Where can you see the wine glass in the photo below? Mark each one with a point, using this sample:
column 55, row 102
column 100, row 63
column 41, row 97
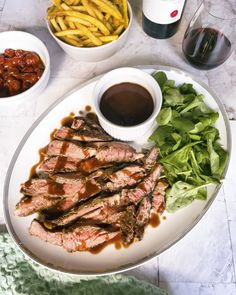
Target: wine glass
column 210, row 36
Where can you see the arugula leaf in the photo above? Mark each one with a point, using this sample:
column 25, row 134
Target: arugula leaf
column 182, row 194
column 182, row 124
column 187, row 88
column 164, row 116
column 161, row 78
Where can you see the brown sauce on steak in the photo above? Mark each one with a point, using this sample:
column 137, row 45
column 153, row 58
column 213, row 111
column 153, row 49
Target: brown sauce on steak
column 42, row 153
column 67, row 121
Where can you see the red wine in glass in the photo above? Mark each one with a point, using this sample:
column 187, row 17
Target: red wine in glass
column 206, row 48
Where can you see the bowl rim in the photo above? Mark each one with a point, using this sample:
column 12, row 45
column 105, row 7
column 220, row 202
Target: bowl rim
column 95, row 47
column 29, row 91
column 152, row 81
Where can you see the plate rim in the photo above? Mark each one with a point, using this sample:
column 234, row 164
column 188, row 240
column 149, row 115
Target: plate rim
column 140, row 262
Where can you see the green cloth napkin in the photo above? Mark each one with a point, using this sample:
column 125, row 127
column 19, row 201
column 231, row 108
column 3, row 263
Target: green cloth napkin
column 19, row 275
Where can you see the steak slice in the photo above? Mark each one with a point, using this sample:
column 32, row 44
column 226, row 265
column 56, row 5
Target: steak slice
column 30, row 205
column 50, row 188
column 124, row 177
column 89, row 188
column 83, row 135
column 127, row 224
column 151, row 158
column 142, row 217
column 88, row 210
column 70, row 149
column 66, row 164
column 158, row 196
column 117, row 152
column 135, row 195
column 75, row 238
column 69, row 177
column 86, row 123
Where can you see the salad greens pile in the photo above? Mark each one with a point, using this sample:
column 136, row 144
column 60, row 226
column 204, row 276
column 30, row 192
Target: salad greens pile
column 189, row 144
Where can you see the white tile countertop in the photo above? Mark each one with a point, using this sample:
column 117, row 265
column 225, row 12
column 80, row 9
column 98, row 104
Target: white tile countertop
column 203, row 262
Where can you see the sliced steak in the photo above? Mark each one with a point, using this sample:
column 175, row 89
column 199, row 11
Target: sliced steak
column 127, row 176
column 30, row 205
column 69, row 177
column 151, row 158
column 67, row 164
column 89, row 209
column 70, row 149
column 142, row 217
column 158, row 196
column 89, row 188
column 86, row 123
column 50, row 188
column 93, row 164
column 76, row 238
column 117, row 152
column 83, row 135
column 144, row 188
column 127, row 224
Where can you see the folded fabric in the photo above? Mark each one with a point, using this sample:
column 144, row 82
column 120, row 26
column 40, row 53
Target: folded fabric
column 19, row 275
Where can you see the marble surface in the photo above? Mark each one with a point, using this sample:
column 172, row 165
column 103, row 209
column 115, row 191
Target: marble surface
column 204, row 261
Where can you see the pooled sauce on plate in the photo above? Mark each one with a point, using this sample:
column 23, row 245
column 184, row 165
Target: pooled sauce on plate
column 126, row 104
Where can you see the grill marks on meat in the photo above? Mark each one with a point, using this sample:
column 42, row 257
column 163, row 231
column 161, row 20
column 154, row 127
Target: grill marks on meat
column 98, row 209
column 73, row 193
column 71, row 157
column 144, row 188
column 142, row 217
column 75, row 238
column 70, row 149
column 127, row 224
column 91, row 184
column 50, row 188
column 158, row 196
column 151, row 158
column 128, row 176
column 83, row 135
column 29, row 205
column 67, row 164
column 118, row 152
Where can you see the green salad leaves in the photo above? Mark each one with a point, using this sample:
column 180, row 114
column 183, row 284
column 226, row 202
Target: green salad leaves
column 189, row 143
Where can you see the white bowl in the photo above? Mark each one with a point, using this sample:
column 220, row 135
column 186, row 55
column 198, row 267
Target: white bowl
column 131, row 75
column 26, row 41
column 94, row 54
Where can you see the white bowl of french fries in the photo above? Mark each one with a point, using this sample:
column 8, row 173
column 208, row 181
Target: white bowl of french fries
column 89, row 30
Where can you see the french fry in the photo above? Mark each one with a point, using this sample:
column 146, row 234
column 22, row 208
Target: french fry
column 119, row 30
column 71, row 25
column 68, row 32
column 61, row 23
column 55, row 25
column 110, row 38
column 64, row 6
column 125, row 13
column 88, row 8
column 78, row 20
column 89, row 34
column 108, row 7
column 79, row 8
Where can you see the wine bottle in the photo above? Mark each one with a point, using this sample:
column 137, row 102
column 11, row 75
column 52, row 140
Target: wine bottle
column 161, row 18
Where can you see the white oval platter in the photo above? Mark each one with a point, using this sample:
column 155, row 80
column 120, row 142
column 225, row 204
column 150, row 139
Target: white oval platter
column 110, row 260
